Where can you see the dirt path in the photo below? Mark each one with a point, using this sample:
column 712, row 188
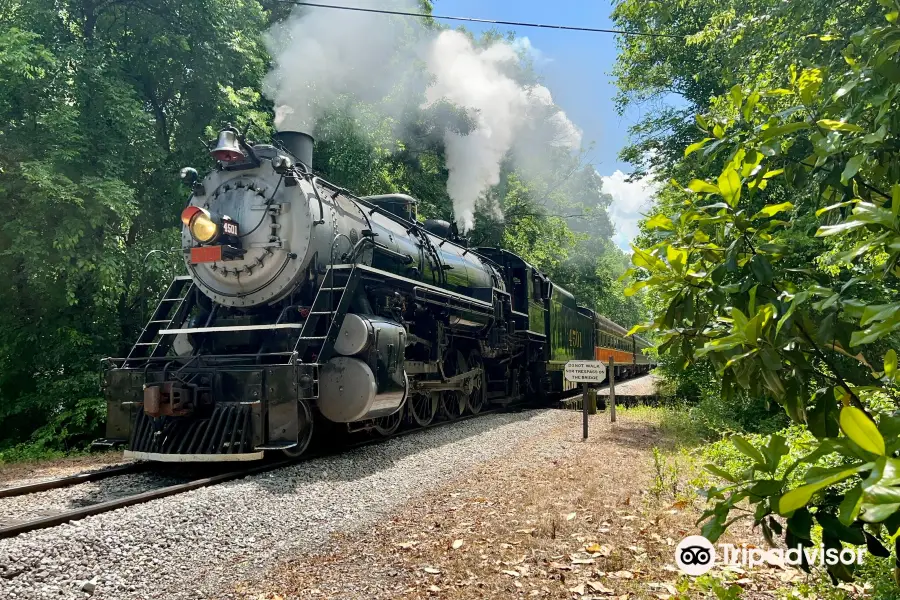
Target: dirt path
column 593, row 521
column 22, row 473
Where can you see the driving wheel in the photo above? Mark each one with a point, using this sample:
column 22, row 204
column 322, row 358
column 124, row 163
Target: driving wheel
column 453, row 403
column 388, row 425
column 475, row 399
column 423, row 407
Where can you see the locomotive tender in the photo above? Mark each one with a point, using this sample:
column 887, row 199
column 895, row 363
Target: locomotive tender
column 305, row 305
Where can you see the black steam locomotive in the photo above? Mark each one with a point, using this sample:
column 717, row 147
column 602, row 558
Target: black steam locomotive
column 305, row 304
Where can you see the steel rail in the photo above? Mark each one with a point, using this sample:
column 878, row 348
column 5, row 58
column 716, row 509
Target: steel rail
column 61, row 482
column 110, row 505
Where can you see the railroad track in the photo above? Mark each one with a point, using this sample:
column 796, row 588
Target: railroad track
column 125, row 501
column 54, row 484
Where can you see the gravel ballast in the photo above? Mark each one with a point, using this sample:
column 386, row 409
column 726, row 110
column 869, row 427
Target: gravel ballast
column 641, row 386
column 198, row 544
column 50, row 502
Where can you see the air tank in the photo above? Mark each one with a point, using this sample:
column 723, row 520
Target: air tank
column 368, row 380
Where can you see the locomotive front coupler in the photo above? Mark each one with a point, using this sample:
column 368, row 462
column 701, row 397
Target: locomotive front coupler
column 170, row 399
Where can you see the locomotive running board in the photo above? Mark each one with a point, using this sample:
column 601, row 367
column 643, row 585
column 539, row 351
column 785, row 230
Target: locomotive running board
column 232, row 328
column 179, row 458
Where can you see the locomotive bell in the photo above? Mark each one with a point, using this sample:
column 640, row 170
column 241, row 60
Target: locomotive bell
column 227, row 148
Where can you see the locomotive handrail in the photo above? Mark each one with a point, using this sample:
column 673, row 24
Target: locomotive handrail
column 314, row 181
column 334, row 240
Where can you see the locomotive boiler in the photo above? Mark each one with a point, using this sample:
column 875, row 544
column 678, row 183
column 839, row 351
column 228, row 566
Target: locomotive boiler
column 305, row 307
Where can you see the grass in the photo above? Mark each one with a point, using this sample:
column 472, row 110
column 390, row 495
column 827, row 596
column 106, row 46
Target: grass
column 674, row 423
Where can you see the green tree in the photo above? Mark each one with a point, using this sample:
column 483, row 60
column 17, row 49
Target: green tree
column 101, row 103
column 801, row 165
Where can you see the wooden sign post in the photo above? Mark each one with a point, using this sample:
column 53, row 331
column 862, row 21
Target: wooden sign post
column 612, row 390
column 585, row 372
column 584, row 411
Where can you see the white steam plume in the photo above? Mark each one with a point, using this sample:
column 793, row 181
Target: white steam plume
column 320, row 55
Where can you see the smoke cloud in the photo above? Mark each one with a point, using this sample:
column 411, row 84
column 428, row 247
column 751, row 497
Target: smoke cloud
column 321, row 56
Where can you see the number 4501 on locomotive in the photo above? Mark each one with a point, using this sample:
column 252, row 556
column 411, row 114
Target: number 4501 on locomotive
column 305, row 304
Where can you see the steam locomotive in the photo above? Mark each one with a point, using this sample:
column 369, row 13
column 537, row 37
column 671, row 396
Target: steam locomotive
column 304, row 305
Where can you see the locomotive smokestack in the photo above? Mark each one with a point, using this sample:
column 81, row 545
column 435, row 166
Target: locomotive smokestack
column 297, row 143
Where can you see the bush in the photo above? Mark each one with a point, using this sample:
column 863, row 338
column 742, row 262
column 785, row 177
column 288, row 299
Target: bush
column 69, row 430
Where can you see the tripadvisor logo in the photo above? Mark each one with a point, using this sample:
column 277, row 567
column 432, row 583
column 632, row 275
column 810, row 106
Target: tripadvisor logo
column 695, row 555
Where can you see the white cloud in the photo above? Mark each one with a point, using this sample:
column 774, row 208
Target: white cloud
column 630, row 201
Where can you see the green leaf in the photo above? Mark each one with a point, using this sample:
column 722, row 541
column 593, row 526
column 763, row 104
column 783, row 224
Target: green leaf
column 798, row 497
column 878, row 312
column 737, row 96
column 719, row 471
column 751, row 103
column 712, row 529
column 852, row 167
column 639, row 329
column 832, row 125
column 832, row 207
column 748, row 449
column 696, row 146
column 660, row 221
column 849, row 508
column 828, row 230
column 890, row 364
column 876, row 513
column 857, row 426
column 845, row 533
column 779, row 130
column 880, row 494
column 761, row 269
column 642, row 258
column 701, row 187
column 770, row 210
column 895, row 200
column 730, row 186
column 877, row 137
column 633, row 289
column 677, row 258
column 800, row 524
column 875, row 332
column 774, row 451
column 844, row 90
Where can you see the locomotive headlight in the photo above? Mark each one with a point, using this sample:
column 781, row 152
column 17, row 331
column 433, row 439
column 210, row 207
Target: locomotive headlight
column 200, row 223
column 203, row 229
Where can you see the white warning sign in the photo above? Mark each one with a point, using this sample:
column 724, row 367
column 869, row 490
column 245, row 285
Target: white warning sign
column 585, row 371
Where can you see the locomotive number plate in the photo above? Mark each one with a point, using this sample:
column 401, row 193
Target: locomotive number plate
column 230, row 228
column 205, row 254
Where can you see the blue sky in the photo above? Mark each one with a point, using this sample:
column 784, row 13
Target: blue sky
column 576, row 67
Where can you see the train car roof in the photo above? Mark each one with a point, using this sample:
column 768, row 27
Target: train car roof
column 611, row 326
